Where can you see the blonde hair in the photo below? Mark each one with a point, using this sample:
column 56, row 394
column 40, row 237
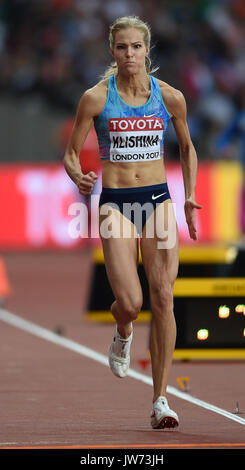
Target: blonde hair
column 129, row 22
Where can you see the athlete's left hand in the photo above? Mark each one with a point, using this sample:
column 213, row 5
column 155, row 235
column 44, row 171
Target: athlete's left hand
column 190, row 215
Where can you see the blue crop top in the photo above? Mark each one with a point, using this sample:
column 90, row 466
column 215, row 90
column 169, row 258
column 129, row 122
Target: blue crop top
column 132, row 133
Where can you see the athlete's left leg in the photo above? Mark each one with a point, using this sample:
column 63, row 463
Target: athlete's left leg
column 160, row 258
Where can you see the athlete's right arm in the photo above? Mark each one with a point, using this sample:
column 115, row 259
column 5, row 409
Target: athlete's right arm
column 88, row 107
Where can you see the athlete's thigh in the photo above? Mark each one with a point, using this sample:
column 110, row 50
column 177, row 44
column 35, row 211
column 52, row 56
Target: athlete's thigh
column 120, row 254
column 160, row 247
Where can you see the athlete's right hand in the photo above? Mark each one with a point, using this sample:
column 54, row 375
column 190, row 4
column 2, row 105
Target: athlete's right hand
column 86, row 183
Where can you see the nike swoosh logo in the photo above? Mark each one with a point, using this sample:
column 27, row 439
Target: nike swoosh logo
column 149, row 115
column 157, row 196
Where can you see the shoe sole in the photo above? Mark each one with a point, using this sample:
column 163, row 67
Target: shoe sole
column 166, row 422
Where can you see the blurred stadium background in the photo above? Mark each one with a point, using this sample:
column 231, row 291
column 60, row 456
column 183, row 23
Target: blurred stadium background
column 51, row 51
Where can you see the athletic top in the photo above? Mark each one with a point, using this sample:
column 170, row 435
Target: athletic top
column 132, row 133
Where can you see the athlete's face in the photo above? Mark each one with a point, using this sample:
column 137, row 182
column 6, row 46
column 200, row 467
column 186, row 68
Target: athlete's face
column 129, row 50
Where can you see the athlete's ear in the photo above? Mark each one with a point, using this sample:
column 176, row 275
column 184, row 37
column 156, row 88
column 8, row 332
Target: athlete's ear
column 112, row 53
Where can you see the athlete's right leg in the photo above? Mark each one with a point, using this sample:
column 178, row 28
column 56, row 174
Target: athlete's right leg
column 121, row 259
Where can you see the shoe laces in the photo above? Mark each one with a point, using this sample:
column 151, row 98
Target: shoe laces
column 161, row 401
column 120, row 346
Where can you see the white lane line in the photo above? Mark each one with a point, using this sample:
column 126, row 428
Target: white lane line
column 33, row 328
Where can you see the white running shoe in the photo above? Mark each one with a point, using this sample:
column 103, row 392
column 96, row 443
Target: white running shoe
column 162, row 416
column 119, row 354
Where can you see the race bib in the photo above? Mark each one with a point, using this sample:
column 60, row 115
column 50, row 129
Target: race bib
column 135, row 139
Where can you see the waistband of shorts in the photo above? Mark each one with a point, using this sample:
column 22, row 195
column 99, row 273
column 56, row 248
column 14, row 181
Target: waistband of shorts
column 137, row 189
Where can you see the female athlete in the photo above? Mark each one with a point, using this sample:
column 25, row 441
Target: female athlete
column 130, row 110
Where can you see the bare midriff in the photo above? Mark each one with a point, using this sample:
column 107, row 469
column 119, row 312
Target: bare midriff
column 130, row 175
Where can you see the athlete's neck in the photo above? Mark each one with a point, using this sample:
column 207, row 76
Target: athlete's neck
column 133, row 84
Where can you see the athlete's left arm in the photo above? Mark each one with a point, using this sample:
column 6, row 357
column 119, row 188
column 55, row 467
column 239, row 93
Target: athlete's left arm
column 188, row 157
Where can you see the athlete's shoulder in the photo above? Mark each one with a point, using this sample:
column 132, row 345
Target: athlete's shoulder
column 94, row 98
column 173, row 98
column 97, row 91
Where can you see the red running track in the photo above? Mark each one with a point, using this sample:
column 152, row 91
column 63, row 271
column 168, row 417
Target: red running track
column 55, row 397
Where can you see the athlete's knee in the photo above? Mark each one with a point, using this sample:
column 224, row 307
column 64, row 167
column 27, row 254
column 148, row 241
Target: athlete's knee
column 130, row 306
column 162, row 297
